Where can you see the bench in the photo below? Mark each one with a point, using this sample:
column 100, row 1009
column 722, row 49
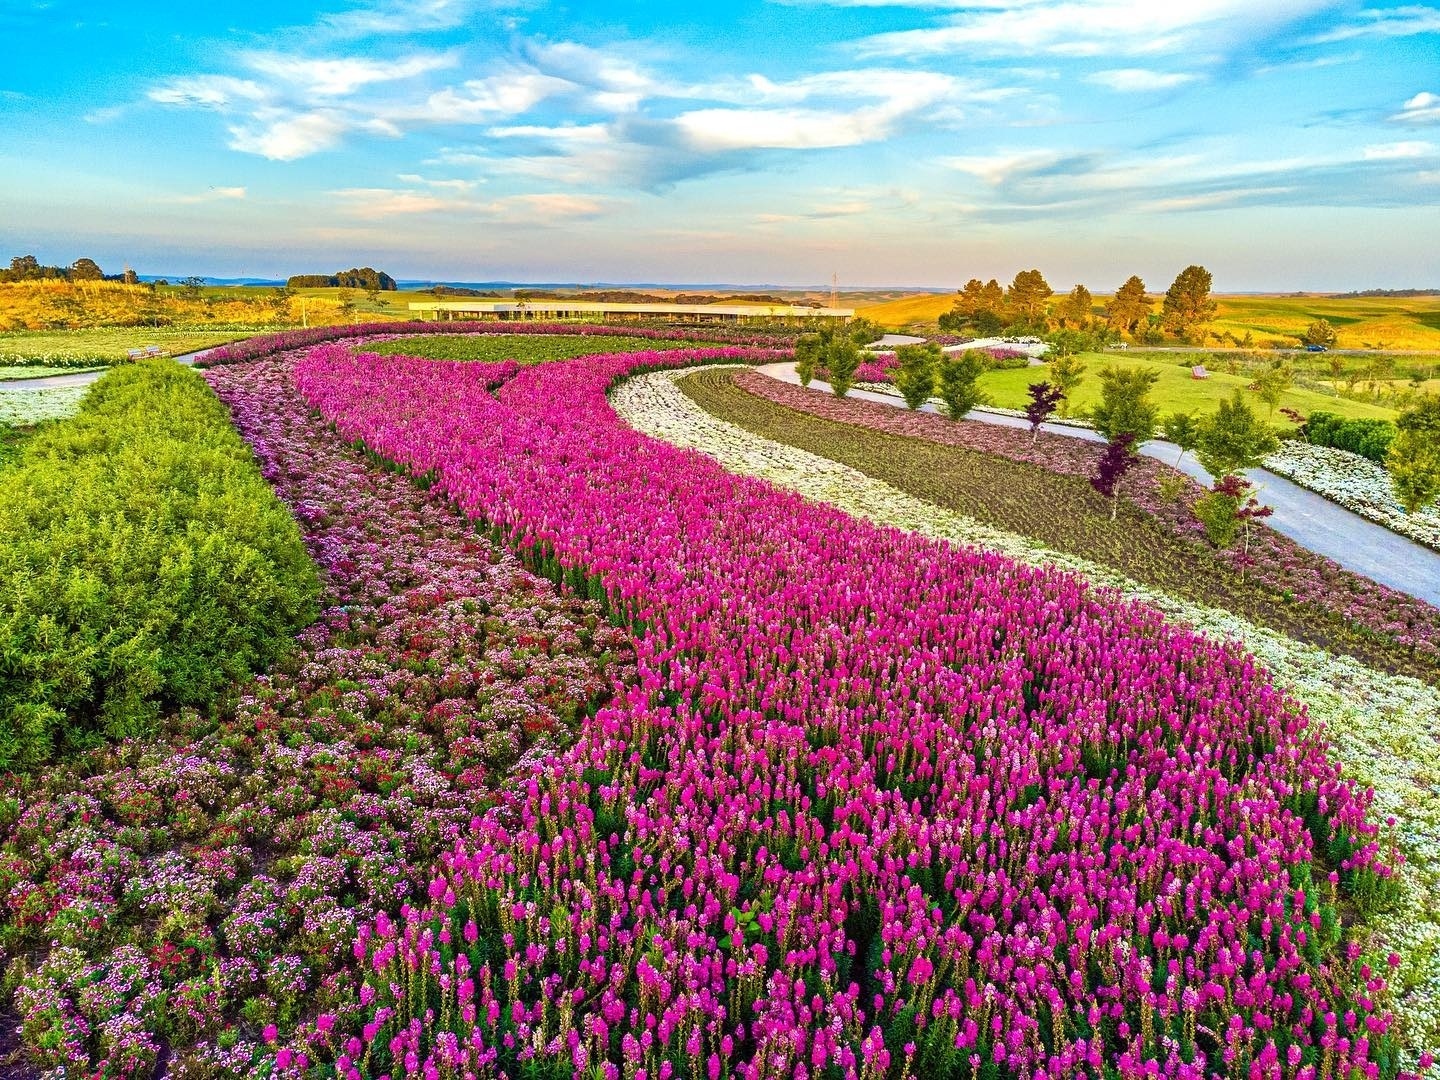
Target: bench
column 1199, row 372
column 141, row 354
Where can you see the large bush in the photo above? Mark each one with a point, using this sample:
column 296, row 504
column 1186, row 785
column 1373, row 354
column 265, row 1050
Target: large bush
column 144, row 563
column 1368, row 438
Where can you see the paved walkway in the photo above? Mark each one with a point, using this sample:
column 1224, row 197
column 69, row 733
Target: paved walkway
column 1312, row 521
column 80, row 378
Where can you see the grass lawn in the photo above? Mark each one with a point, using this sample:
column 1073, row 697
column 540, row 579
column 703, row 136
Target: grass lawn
column 1176, row 390
column 1063, row 512
column 523, row 348
column 106, row 343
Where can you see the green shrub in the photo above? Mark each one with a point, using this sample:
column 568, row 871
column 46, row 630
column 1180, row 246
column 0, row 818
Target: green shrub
column 1368, row 438
column 1217, row 512
column 144, row 563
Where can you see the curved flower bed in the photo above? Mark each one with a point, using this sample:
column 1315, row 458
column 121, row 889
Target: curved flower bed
column 20, row 408
column 170, row 902
column 264, row 345
column 1386, row 729
column 1356, row 483
column 877, row 805
column 1280, row 564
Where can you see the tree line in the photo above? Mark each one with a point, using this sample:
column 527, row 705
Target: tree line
column 29, row 268
column 359, row 277
column 985, row 308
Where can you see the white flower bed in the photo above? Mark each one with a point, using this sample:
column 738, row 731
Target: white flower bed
column 1357, row 484
column 1386, row 729
column 23, row 407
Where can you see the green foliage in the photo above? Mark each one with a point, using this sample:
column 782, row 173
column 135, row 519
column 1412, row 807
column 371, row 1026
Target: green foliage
column 1066, row 371
column 1130, row 307
column 1368, row 438
column 1076, row 309
column 1272, row 382
column 1182, row 430
column 144, row 563
column 1125, row 407
column 807, row 357
column 1218, row 512
column 841, row 357
column 1233, row 439
column 915, row 376
column 1188, row 305
column 359, row 277
column 1028, row 297
column 1414, row 455
column 956, row 382
column 1320, row 332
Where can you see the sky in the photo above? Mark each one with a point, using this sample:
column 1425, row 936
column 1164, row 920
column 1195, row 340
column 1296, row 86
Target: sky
column 1283, row 144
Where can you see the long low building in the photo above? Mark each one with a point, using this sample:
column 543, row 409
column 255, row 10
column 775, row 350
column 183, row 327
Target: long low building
column 559, row 310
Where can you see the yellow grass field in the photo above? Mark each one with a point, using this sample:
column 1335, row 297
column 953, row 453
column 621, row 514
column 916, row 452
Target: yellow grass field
column 1391, row 323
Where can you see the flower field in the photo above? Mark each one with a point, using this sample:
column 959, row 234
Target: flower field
column 874, row 806
column 170, row 900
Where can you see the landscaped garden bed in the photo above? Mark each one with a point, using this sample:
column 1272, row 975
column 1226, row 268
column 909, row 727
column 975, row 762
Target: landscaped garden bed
column 859, row 807
column 172, row 901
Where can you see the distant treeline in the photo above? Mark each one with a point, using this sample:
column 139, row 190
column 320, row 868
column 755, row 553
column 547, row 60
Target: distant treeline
column 1400, row 293
column 363, row 277
column 29, row 268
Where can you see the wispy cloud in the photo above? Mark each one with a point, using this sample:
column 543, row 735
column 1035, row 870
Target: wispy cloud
column 343, row 76
column 1399, row 151
column 536, row 208
column 1385, row 22
column 214, row 194
column 1423, row 108
column 1139, row 80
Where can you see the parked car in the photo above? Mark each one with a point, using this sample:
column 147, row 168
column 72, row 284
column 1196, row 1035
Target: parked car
column 1317, row 348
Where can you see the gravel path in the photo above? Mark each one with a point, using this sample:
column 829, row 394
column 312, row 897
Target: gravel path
column 1310, row 520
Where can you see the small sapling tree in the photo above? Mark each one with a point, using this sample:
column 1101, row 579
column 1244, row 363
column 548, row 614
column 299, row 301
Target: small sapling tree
column 807, row 354
column 1181, row 429
column 1273, row 381
column 1126, row 417
column 1044, row 399
column 1414, row 455
column 1066, row 371
column 1115, row 464
column 1229, row 441
column 841, row 357
column 915, row 375
column 958, row 385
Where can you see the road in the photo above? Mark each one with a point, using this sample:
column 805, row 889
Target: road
column 1316, row 523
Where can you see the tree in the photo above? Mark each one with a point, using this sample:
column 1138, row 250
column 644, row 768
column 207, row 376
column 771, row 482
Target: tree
column 1076, row 309
column 807, row 356
column 1188, row 306
column 85, row 270
column 129, row 277
column 1233, row 439
column 1125, row 407
column 957, row 382
column 347, row 303
column 915, row 375
column 1043, row 400
column 193, row 286
column 1226, row 509
column 1414, row 456
column 1129, row 309
column 24, row 267
column 1320, row 332
column 1115, row 463
column 1066, row 372
column 841, row 357
column 978, row 305
column 1181, row 429
column 1273, row 381
column 1028, row 297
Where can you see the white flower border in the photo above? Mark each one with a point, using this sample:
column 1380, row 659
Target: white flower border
column 1385, row 729
column 20, row 407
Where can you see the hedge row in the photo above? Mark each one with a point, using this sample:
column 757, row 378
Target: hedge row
column 144, row 564
column 1368, row 438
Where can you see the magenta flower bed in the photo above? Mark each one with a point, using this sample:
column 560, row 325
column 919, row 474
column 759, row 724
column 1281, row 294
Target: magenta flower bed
column 168, row 902
column 875, row 807
column 289, row 340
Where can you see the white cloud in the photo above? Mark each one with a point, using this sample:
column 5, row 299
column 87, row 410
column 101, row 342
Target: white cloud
column 289, row 136
column 214, row 194
column 484, row 100
column 1399, row 151
column 564, row 133
column 342, row 76
column 1423, row 108
column 1139, row 80
column 532, row 208
column 1092, row 27
column 998, row 167
column 400, row 17
column 1386, row 22
column 207, row 91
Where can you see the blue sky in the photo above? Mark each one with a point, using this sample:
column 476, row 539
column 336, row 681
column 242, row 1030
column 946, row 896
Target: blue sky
column 1285, row 144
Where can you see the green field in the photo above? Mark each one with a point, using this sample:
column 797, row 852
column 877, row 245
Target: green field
column 108, row 343
column 1406, row 324
column 1175, row 391
column 525, row 349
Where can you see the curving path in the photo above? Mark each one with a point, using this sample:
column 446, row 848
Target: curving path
column 80, row 378
column 1314, row 522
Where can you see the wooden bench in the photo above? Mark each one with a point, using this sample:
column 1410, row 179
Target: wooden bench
column 1199, row 372
column 141, row 354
